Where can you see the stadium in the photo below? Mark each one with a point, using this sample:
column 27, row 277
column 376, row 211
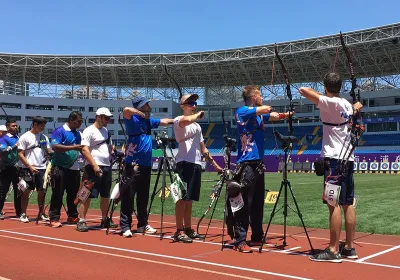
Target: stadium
column 54, row 85
column 51, row 86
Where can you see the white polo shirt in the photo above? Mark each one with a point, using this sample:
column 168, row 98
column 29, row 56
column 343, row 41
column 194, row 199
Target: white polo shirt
column 95, row 138
column 189, row 139
column 29, row 143
column 334, row 110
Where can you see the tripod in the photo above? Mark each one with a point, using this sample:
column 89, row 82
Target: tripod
column 114, row 201
column 215, row 195
column 164, row 166
column 285, row 184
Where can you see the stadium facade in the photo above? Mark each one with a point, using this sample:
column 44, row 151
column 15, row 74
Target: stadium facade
column 54, row 85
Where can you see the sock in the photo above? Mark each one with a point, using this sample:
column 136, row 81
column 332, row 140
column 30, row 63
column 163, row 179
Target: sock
column 82, row 220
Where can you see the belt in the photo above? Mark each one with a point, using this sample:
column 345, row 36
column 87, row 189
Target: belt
column 335, row 124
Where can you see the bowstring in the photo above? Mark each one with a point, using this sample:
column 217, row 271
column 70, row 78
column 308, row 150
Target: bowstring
column 335, row 60
column 271, row 89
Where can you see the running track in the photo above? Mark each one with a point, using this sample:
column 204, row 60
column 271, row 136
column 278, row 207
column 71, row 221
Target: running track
column 31, row 251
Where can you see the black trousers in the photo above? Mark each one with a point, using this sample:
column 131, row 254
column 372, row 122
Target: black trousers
column 253, row 209
column 139, row 186
column 63, row 179
column 7, row 176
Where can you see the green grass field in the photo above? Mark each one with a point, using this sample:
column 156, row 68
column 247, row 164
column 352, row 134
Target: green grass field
column 378, row 197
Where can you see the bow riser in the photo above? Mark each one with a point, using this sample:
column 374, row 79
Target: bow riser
column 288, row 90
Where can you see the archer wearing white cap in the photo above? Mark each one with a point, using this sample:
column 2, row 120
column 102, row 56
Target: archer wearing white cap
column 3, row 130
column 97, row 149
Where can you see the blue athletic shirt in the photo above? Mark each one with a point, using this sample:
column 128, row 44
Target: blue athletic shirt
column 140, row 145
column 63, row 135
column 9, row 158
column 250, row 129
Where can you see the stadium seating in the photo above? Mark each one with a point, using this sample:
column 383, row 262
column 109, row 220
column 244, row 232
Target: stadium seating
column 309, row 139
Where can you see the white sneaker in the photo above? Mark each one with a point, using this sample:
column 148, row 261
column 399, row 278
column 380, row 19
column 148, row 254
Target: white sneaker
column 148, row 229
column 127, row 233
column 45, row 218
column 24, row 218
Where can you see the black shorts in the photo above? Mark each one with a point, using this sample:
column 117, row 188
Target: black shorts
column 190, row 173
column 102, row 184
column 346, row 181
column 34, row 181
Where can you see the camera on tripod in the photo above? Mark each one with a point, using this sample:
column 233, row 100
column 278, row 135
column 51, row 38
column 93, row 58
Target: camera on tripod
column 119, row 155
column 230, row 143
column 163, row 140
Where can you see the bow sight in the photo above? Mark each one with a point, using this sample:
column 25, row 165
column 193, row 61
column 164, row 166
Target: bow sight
column 163, row 139
column 230, row 143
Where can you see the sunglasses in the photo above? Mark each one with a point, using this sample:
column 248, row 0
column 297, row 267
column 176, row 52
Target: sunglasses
column 191, row 103
column 107, row 118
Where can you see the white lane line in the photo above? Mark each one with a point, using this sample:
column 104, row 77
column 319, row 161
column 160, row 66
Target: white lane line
column 255, row 249
column 128, row 257
column 378, row 254
column 3, row 278
column 290, row 249
column 159, row 255
column 272, row 233
column 380, row 264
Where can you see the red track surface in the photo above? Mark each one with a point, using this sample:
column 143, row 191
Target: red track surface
column 31, row 251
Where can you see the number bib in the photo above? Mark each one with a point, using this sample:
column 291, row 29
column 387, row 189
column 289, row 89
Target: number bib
column 83, row 194
column 22, row 185
column 332, row 193
column 237, row 203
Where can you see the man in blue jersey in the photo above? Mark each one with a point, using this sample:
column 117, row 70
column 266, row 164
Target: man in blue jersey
column 248, row 204
column 138, row 125
column 8, row 165
column 66, row 144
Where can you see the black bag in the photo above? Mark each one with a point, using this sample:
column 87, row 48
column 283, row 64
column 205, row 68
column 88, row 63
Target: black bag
column 319, row 167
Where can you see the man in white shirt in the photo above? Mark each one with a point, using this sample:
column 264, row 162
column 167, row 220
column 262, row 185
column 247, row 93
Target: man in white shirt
column 334, row 113
column 97, row 151
column 33, row 153
column 191, row 147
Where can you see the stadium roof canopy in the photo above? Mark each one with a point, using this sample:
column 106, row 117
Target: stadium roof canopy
column 375, row 51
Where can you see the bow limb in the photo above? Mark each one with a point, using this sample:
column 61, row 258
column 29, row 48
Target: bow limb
column 175, row 82
column 357, row 129
column 356, row 97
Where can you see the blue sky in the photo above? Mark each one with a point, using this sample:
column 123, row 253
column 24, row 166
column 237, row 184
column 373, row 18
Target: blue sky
column 176, row 26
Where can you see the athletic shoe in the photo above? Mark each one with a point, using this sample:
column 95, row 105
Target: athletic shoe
column 127, row 233
column 327, row 256
column 193, row 234
column 1, row 216
column 81, row 227
column 242, row 247
column 147, row 229
column 347, row 253
column 24, row 218
column 104, row 223
column 44, row 217
column 180, row 236
column 55, row 224
column 72, row 220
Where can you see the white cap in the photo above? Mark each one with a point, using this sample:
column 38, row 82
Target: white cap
column 103, row 111
column 3, row 127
